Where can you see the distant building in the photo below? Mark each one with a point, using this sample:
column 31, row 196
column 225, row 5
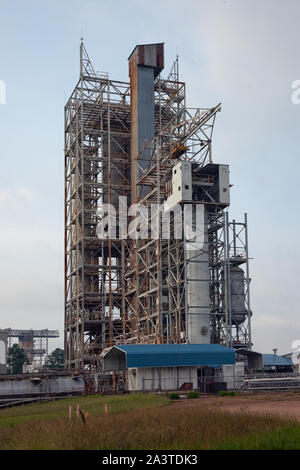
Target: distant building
column 275, row 363
column 36, row 354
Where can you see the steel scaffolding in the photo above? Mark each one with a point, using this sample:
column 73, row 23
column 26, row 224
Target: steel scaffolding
column 97, row 134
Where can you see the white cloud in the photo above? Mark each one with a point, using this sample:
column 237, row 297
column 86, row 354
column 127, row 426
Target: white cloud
column 13, row 196
column 5, row 196
column 244, row 44
column 24, row 193
column 14, row 238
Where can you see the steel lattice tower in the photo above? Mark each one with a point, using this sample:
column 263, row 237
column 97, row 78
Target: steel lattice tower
column 122, row 290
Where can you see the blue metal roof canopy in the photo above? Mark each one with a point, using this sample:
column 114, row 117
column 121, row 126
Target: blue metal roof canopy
column 275, row 360
column 175, row 355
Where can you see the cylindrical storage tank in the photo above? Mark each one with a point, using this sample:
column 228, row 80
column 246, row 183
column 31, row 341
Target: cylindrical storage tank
column 237, row 291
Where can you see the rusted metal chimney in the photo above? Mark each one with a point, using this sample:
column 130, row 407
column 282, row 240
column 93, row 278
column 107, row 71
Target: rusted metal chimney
column 145, row 63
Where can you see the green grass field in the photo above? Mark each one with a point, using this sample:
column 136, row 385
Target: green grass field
column 93, row 404
column 285, row 437
column 142, row 422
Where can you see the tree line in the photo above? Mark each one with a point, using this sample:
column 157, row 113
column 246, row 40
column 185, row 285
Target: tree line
column 16, row 359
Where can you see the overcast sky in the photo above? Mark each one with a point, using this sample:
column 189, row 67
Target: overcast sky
column 243, row 53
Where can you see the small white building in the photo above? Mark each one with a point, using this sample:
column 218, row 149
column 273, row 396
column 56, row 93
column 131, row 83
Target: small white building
column 162, row 367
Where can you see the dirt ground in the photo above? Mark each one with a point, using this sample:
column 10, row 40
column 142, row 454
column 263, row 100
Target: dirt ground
column 284, row 404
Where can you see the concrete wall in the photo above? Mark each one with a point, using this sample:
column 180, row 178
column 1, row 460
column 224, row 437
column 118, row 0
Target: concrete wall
column 160, row 378
column 197, row 289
